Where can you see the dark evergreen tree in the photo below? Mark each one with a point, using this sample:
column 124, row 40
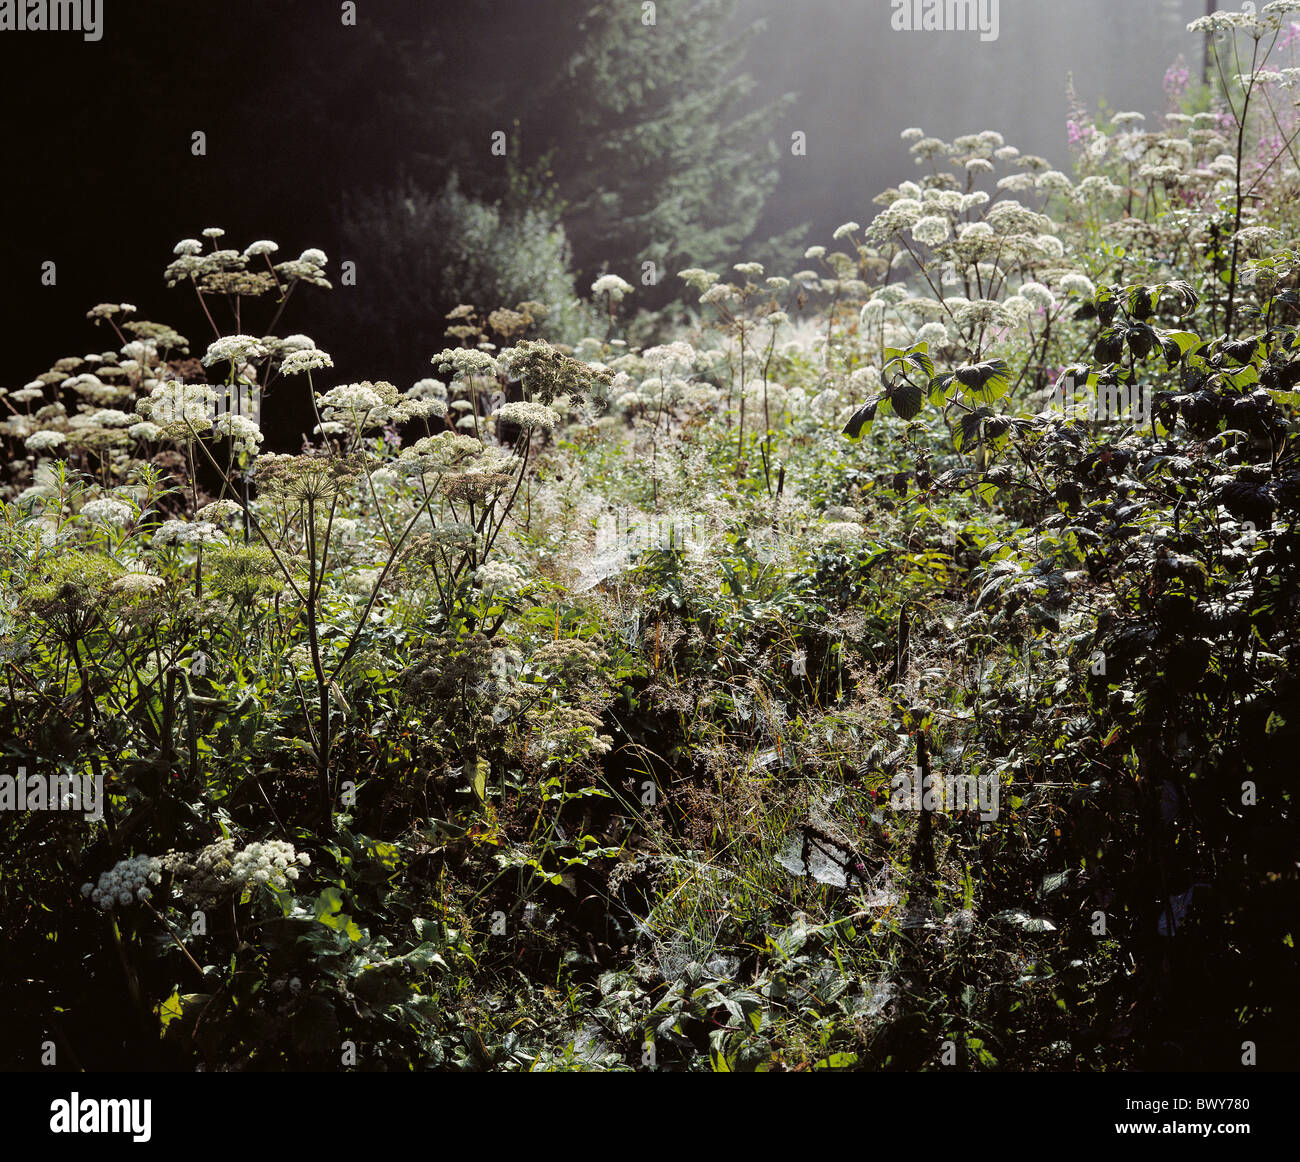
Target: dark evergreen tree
column 648, row 137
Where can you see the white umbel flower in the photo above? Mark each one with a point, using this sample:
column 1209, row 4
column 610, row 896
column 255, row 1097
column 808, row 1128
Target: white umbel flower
column 931, row 230
column 124, row 882
column 612, row 285
column 235, row 348
column 44, row 441
column 533, row 416
column 110, row 512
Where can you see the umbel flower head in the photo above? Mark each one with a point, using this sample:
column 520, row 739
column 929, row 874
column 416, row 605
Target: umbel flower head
column 234, row 349
column 309, row 359
column 108, row 511
column 310, row 478
column 273, row 863
column 530, row 416
column 182, row 411
column 72, row 589
column 612, row 285
column 125, row 882
column 546, row 373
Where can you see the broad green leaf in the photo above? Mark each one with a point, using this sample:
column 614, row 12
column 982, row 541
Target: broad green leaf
column 860, row 418
column 905, row 399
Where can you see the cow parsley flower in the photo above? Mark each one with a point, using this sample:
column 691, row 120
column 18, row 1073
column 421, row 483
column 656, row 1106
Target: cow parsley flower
column 669, row 353
column 44, row 441
column 180, row 532
column 219, row 511
column 1038, row 294
column 931, row 230
column 865, row 380
column 718, row 294
column 124, row 881
column 273, row 863
column 935, row 334
column 533, row 416
column 1016, row 183
column 700, row 279
column 428, row 389
column 500, row 578
column 109, row 511
column 611, row 285
column 355, row 397
column 465, row 361
column 139, row 585
column 235, row 348
column 257, row 249
column 111, row 418
column 309, row 359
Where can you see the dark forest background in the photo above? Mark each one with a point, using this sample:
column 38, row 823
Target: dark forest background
column 627, row 144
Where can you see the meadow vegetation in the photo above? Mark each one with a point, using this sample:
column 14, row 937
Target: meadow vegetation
column 828, row 684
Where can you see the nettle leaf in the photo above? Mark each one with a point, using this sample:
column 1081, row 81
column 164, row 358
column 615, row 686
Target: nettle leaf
column 861, row 418
column 917, row 355
column 1282, row 377
column 914, row 359
column 1248, row 376
column 1183, row 297
column 1103, row 300
column 1240, row 351
column 939, row 386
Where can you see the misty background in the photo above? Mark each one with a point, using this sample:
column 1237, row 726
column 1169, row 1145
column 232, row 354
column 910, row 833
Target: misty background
column 625, row 144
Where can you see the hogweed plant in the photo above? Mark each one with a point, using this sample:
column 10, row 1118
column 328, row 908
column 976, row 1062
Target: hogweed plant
column 687, row 796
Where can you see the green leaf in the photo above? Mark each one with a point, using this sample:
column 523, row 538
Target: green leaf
column 837, row 1061
column 1185, row 341
column 990, row 380
column 905, row 399
column 860, row 418
column 170, row 1009
column 328, row 903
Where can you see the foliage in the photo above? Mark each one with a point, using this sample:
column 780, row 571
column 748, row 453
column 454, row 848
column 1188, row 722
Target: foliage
column 894, row 670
